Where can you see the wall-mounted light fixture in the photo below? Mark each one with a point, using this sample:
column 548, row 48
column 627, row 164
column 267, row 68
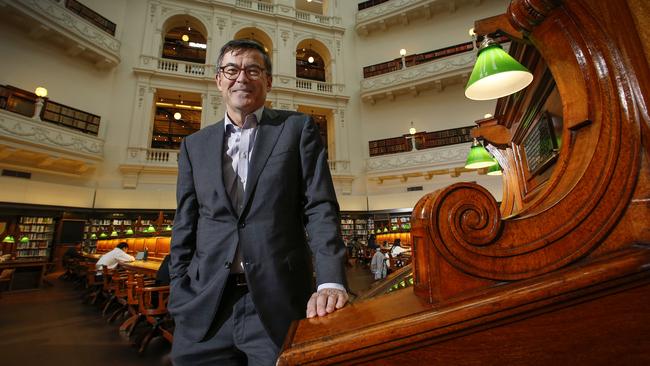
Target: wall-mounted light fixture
column 496, row 74
column 478, row 157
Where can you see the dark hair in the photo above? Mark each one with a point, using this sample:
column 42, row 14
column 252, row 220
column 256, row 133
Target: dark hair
column 123, row 245
column 245, row 44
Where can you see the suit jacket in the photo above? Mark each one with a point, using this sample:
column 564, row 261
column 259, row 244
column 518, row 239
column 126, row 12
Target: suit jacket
column 290, row 207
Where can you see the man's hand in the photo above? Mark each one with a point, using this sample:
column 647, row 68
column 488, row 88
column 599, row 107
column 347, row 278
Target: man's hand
column 326, row 301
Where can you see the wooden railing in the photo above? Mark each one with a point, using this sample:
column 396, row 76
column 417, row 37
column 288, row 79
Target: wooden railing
column 420, row 58
column 423, row 140
column 25, row 103
column 91, row 16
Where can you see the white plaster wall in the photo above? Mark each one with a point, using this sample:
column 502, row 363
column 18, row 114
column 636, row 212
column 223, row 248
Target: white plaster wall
column 25, row 191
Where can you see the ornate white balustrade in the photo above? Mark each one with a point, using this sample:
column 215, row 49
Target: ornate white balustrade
column 184, row 69
column 401, row 12
column 296, row 85
column 42, row 146
column 152, row 158
column 51, row 22
column 287, row 11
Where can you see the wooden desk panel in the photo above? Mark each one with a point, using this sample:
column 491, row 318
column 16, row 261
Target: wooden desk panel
column 28, row 275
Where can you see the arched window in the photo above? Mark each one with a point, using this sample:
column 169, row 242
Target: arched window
column 309, row 65
column 177, row 115
column 186, row 43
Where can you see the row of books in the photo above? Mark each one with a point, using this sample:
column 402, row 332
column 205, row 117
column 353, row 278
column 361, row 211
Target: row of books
column 36, row 220
column 35, row 228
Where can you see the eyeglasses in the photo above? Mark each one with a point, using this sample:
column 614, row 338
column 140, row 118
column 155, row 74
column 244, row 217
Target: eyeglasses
column 232, row 72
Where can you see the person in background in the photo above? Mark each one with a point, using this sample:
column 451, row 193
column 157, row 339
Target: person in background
column 116, row 256
column 255, row 199
column 372, row 243
column 378, row 264
column 397, row 248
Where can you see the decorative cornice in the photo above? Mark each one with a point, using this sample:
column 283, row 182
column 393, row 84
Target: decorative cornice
column 45, row 136
column 433, row 158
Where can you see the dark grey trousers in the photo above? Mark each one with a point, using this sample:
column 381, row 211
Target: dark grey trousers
column 236, row 336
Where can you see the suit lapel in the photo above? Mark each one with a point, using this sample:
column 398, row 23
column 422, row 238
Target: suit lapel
column 215, row 148
column 268, row 131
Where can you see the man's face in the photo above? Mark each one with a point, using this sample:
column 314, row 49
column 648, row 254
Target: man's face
column 244, row 94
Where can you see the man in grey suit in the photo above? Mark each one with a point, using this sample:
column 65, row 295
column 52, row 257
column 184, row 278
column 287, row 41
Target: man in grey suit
column 255, row 201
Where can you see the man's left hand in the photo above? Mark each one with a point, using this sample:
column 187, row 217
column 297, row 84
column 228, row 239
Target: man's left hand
column 326, row 301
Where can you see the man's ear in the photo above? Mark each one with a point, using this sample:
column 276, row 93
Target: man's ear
column 269, row 82
column 218, row 80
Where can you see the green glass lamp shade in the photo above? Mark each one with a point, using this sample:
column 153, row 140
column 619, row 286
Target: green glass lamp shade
column 168, row 228
column 103, row 235
column 385, row 229
column 496, row 74
column 129, row 231
column 151, row 229
column 478, row 157
column 93, row 236
column 113, row 233
column 8, row 239
column 495, row 170
column 24, row 239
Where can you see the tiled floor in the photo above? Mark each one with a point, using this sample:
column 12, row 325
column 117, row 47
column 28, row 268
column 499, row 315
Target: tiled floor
column 52, row 327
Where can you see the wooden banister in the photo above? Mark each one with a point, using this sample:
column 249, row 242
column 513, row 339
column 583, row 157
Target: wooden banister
column 562, row 266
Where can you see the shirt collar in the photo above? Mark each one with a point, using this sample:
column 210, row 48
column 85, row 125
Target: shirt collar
column 257, row 113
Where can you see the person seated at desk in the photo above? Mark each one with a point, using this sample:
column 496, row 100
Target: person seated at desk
column 116, row 256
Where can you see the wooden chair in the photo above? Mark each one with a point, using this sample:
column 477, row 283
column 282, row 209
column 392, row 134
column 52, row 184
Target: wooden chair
column 93, row 286
column 153, row 307
column 6, row 276
column 119, row 289
column 133, row 303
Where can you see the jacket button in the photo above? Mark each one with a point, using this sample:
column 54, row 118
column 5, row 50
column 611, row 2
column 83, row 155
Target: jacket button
column 242, row 225
column 227, row 264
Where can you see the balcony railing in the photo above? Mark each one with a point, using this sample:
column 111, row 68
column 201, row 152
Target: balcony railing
column 50, row 139
column 311, row 85
column 154, row 158
column 420, row 141
column 28, row 104
column 175, row 67
column 91, row 16
column 284, row 11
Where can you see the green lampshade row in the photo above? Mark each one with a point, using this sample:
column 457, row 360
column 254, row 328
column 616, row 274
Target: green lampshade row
column 24, row 239
column 479, row 157
column 129, row 231
column 496, row 74
column 114, row 233
column 9, row 239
